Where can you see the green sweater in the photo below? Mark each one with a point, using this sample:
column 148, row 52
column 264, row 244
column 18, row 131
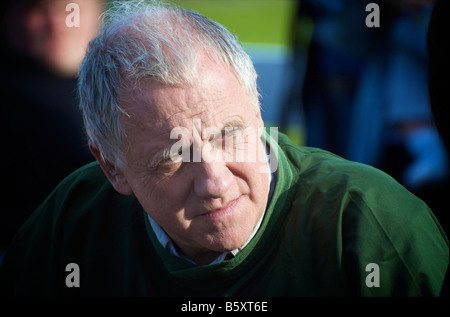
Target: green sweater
column 328, row 220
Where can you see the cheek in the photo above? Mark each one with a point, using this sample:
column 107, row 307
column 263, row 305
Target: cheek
column 250, row 180
column 255, row 173
column 163, row 201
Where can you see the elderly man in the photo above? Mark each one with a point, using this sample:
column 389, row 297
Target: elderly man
column 191, row 197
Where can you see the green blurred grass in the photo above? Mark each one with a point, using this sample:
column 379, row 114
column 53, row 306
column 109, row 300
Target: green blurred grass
column 253, row 21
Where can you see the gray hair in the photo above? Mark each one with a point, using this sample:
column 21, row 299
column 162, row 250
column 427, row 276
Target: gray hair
column 148, row 40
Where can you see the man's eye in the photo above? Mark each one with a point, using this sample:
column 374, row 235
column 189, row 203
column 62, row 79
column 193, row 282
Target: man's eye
column 230, row 131
column 230, row 137
column 168, row 161
column 172, row 157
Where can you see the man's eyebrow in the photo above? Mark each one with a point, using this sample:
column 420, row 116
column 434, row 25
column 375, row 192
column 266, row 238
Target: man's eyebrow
column 234, row 123
column 163, row 153
column 163, row 150
column 227, row 127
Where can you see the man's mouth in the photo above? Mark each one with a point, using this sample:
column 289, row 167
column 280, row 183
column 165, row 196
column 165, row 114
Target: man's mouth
column 222, row 212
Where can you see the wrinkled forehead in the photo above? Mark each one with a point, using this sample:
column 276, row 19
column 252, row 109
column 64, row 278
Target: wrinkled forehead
column 160, row 107
column 160, row 115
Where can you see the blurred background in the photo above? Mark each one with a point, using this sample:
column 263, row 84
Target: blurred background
column 41, row 127
column 325, row 78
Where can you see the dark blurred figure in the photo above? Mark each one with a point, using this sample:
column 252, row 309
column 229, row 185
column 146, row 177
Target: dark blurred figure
column 365, row 94
column 336, row 55
column 41, row 126
column 438, row 81
column 438, row 78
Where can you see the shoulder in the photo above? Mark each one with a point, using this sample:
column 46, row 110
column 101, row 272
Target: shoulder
column 353, row 214
column 342, row 185
column 322, row 169
column 84, row 221
column 88, row 175
column 84, row 194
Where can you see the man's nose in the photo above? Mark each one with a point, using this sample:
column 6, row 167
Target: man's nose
column 212, row 179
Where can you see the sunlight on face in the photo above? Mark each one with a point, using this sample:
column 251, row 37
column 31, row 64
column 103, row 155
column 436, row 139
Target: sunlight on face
column 207, row 201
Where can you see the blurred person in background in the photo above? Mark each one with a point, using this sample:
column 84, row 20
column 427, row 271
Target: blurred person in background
column 42, row 128
column 393, row 126
column 365, row 92
column 438, row 81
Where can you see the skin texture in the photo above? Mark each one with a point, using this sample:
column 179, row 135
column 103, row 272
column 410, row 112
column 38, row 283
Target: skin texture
column 209, row 205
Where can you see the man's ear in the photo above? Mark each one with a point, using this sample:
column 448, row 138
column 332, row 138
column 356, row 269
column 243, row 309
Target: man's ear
column 259, row 119
column 114, row 174
column 259, row 122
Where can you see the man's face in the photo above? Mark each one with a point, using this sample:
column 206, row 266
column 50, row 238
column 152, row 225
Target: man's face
column 210, row 204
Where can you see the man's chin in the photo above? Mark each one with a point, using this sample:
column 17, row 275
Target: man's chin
column 227, row 241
